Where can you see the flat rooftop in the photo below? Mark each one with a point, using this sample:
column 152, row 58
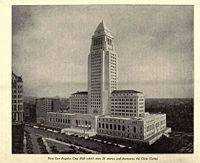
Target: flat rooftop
column 126, row 91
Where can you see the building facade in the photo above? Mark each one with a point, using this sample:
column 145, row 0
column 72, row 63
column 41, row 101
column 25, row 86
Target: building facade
column 43, row 105
column 79, row 102
column 59, row 120
column 145, row 129
column 102, row 70
column 127, row 103
column 17, row 98
column 71, row 120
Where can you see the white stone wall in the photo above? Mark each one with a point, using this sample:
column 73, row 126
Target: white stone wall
column 120, row 127
column 127, row 104
column 71, row 120
column 131, row 128
column 60, row 120
column 102, row 71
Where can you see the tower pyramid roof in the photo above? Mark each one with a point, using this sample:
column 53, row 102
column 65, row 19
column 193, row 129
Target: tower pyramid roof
column 102, row 29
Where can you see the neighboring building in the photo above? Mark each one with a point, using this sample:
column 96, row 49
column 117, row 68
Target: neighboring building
column 17, row 98
column 79, row 102
column 127, row 103
column 145, row 129
column 29, row 112
column 17, row 114
column 102, row 70
column 64, row 104
column 56, row 106
column 43, row 105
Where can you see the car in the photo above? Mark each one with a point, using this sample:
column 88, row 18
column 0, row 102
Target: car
column 35, row 127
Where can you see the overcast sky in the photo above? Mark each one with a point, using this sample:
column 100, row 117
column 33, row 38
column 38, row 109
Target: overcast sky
column 50, row 46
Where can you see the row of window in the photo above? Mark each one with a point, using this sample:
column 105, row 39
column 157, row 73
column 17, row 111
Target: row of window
column 95, row 65
column 78, row 106
column 95, row 80
column 94, row 103
column 95, row 99
column 113, row 56
column 58, row 120
column 15, row 101
column 119, row 106
column 79, row 111
column 19, row 91
column 116, row 120
column 95, row 59
column 111, row 120
column 83, row 122
column 78, row 99
column 122, row 99
column 15, row 96
column 123, row 94
column 96, row 55
column 116, row 127
column 95, row 87
column 120, row 134
column 141, row 103
column 14, row 108
column 109, row 41
column 95, row 106
column 15, row 87
column 78, row 103
column 95, row 91
column 123, row 103
column 95, row 75
column 95, row 71
column 150, row 127
column 116, row 110
column 123, row 114
column 97, row 41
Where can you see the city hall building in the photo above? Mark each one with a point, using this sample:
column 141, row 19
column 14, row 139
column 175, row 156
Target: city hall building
column 104, row 109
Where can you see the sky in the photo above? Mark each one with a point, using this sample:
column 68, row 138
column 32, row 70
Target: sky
column 50, row 47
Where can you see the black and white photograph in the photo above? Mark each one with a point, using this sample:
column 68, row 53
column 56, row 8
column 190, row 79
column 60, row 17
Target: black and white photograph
column 102, row 79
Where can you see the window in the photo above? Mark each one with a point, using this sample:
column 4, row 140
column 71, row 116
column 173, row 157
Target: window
column 134, row 129
column 123, row 128
column 119, row 127
column 102, row 125
column 114, row 127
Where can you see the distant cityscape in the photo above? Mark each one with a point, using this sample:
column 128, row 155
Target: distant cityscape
column 102, row 119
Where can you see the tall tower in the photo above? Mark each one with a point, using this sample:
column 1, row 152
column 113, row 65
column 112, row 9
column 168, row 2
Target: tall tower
column 102, row 70
column 17, row 98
